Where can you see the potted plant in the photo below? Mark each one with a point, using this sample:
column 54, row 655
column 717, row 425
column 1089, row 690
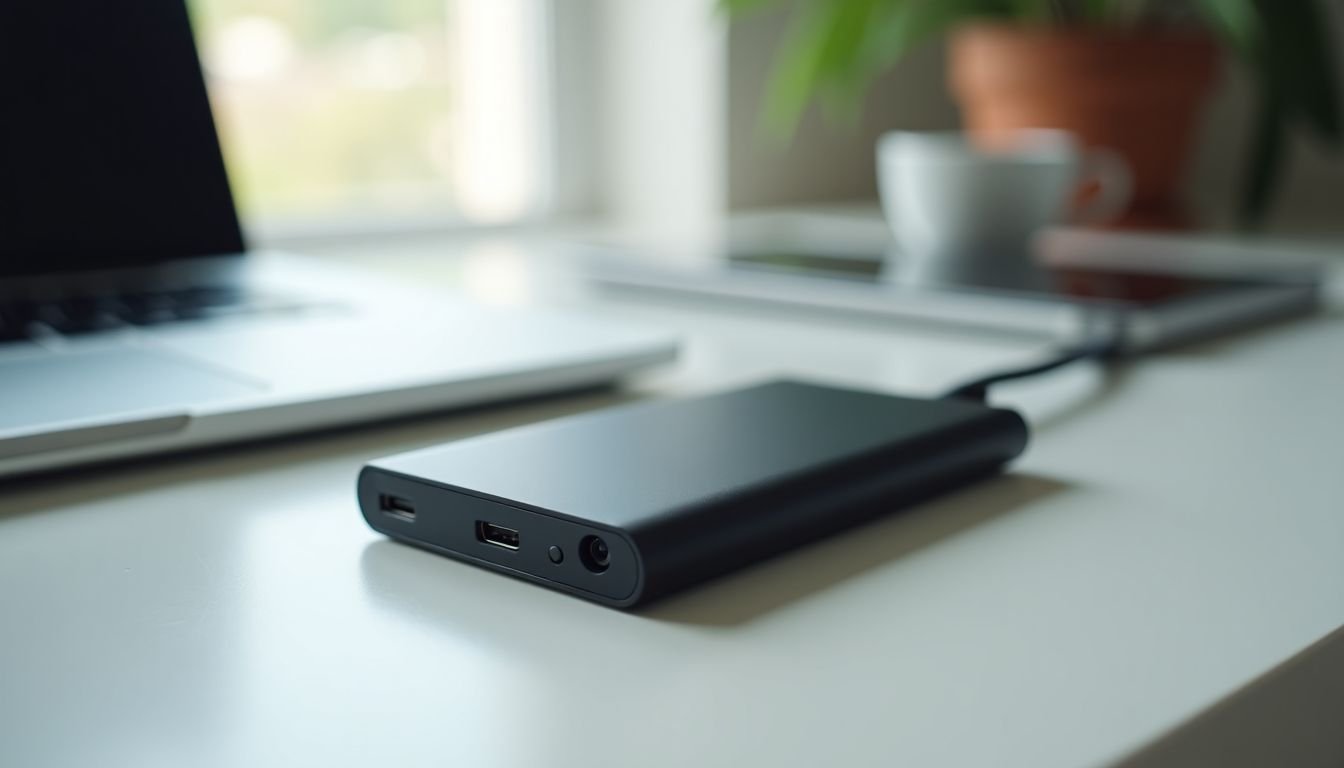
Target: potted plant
column 1131, row 75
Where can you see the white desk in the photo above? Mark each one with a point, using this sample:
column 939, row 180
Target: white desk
column 1169, row 538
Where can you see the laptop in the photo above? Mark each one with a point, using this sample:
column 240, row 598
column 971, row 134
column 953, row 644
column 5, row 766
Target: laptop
column 133, row 320
column 1141, row 291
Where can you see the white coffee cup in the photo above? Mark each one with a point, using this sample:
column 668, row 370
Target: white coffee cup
column 954, row 204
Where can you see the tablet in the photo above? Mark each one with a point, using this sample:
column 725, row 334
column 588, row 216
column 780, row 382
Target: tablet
column 1143, row 310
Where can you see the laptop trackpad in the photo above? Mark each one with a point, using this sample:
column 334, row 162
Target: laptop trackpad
column 98, row 385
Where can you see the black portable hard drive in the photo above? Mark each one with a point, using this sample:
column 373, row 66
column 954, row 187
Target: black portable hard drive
column 635, row 502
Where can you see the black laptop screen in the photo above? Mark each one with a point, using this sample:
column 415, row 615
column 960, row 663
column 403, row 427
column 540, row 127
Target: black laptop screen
column 108, row 153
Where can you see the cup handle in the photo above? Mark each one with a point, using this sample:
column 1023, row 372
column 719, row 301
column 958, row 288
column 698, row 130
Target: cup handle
column 1109, row 171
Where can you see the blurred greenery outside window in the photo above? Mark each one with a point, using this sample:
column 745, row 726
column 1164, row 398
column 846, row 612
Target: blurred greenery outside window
column 341, row 110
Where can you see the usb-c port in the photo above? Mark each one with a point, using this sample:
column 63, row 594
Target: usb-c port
column 395, row 506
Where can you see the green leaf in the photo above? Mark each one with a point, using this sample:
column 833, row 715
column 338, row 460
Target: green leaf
column 1236, row 21
column 825, row 55
column 1094, row 11
column 1297, row 64
column 1262, row 175
column 1034, row 10
column 798, row 64
column 844, row 44
column 732, row 7
column 906, row 25
column 1287, row 44
column 842, row 76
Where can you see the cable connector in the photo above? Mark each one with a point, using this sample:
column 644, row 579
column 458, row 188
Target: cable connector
column 1102, row 350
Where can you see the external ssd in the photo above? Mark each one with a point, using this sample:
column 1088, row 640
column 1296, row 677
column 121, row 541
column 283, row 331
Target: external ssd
column 633, row 503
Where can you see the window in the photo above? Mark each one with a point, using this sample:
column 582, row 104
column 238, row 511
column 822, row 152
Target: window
column 351, row 113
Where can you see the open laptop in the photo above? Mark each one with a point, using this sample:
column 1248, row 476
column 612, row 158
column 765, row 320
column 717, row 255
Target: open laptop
column 132, row 319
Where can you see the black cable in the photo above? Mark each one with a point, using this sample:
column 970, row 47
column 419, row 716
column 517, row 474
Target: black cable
column 1097, row 349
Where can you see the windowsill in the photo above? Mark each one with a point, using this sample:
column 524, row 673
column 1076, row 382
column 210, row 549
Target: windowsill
column 841, row 227
column 291, row 233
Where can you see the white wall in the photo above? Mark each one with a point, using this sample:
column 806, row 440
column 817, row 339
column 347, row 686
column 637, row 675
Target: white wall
column 659, row 150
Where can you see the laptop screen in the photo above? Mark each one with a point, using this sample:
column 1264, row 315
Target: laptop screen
column 108, row 153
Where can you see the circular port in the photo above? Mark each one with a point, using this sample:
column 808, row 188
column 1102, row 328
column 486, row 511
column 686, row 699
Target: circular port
column 594, row 553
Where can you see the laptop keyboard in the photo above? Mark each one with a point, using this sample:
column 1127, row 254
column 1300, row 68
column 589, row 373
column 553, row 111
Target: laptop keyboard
column 31, row 318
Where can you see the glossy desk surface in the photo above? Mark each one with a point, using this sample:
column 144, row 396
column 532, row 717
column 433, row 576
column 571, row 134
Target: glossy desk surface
column 1174, row 535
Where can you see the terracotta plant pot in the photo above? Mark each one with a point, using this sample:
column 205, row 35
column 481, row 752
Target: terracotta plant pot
column 1139, row 93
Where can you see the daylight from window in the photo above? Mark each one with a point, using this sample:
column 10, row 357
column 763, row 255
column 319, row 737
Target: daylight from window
column 399, row 108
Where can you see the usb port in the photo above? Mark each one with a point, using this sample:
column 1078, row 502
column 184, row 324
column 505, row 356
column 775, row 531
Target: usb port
column 395, row 506
column 498, row 535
